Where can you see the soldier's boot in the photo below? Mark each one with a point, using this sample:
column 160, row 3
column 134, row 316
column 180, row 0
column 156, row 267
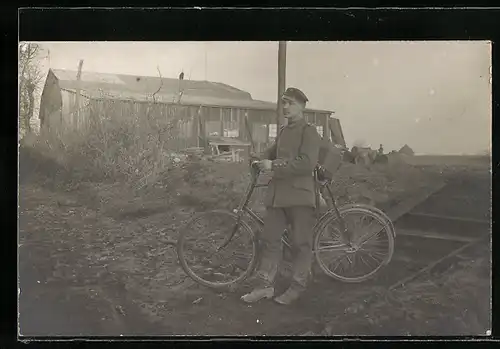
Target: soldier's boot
column 258, row 293
column 291, row 294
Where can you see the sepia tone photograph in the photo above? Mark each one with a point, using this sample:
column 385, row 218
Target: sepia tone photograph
column 254, row 188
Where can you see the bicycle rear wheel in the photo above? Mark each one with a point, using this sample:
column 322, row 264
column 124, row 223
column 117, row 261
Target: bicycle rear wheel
column 217, row 249
column 371, row 247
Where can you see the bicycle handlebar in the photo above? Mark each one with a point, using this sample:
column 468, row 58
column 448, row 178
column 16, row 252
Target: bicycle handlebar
column 254, row 169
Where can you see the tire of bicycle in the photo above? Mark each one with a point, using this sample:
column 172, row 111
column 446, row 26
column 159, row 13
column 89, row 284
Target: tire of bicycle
column 184, row 265
column 329, row 218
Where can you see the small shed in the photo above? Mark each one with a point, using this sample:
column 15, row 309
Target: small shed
column 206, row 108
column 406, row 150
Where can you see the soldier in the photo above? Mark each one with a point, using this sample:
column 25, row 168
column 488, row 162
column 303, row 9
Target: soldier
column 290, row 201
column 381, row 150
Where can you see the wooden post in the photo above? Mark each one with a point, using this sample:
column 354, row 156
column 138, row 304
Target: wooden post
column 326, row 126
column 248, row 127
column 203, row 128
column 197, row 120
column 232, row 120
column 281, row 85
column 221, row 122
column 77, row 97
column 268, row 126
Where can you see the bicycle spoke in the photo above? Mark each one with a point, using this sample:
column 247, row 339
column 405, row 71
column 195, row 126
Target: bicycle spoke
column 333, row 270
column 370, row 244
column 361, row 258
column 379, row 241
column 217, row 249
column 374, row 250
column 348, row 259
column 230, row 236
column 352, row 263
column 360, row 220
column 337, row 247
column 338, row 258
column 372, row 256
column 365, row 239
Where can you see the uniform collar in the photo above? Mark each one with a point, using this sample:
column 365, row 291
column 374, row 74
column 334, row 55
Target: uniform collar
column 299, row 122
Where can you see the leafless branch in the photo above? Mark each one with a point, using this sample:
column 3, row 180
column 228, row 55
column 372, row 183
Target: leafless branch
column 161, row 84
column 30, row 78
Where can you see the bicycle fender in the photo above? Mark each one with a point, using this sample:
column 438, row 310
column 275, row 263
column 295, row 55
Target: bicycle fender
column 374, row 209
column 341, row 209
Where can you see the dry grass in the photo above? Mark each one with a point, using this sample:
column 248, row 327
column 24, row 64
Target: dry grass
column 132, row 149
column 380, row 185
column 449, row 160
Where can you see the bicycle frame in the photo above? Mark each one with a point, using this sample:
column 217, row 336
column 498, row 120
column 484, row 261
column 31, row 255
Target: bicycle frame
column 243, row 208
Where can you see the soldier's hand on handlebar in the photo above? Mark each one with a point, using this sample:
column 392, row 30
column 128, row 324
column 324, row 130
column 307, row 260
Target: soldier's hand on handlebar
column 253, row 159
column 254, row 156
column 263, row 165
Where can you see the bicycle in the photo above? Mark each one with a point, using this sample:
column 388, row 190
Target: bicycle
column 332, row 223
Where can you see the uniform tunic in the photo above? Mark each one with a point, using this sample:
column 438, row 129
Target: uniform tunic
column 293, row 183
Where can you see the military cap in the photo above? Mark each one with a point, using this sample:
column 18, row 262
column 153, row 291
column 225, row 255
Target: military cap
column 296, row 94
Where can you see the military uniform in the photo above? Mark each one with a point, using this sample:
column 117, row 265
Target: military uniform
column 292, row 182
column 290, row 201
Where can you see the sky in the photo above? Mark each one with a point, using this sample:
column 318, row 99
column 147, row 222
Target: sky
column 434, row 96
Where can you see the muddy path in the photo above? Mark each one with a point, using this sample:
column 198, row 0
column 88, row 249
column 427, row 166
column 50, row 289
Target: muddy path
column 86, row 272
column 66, row 287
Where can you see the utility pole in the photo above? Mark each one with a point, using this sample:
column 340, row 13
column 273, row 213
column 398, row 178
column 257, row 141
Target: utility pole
column 281, row 85
column 78, row 91
column 206, row 66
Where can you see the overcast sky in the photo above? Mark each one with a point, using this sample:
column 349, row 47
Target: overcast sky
column 435, row 96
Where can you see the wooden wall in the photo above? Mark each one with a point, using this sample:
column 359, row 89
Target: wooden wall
column 50, row 102
column 194, row 123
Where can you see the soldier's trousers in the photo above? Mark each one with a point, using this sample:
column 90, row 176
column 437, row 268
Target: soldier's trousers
column 301, row 221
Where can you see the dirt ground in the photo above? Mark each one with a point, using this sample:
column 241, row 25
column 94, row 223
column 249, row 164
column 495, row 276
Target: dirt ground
column 94, row 267
column 451, row 303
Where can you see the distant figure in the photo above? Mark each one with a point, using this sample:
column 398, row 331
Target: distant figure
column 354, row 151
column 348, row 157
column 181, row 76
column 362, row 153
column 381, row 150
column 365, row 156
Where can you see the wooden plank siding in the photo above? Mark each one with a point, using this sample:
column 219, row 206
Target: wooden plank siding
column 193, row 123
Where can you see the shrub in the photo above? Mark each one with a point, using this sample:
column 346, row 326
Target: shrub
column 133, row 149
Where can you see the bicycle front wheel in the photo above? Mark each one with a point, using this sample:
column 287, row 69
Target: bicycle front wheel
column 371, row 244
column 217, row 249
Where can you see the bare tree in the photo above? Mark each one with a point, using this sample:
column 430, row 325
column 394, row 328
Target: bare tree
column 30, row 79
